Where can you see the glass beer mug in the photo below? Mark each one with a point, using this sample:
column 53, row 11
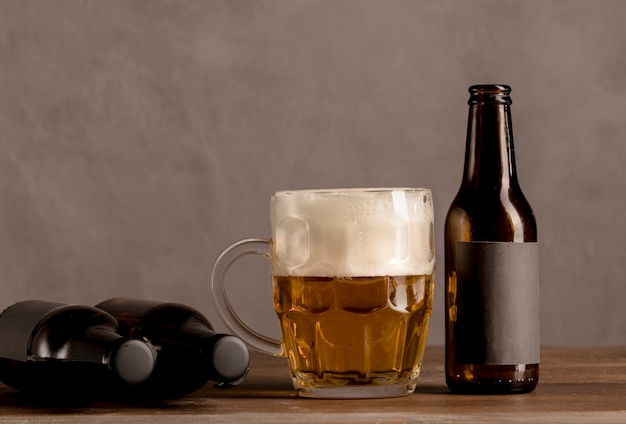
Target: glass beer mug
column 352, row 279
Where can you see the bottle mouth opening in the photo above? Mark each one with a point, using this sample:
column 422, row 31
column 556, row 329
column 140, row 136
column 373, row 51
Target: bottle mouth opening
column 490, row 93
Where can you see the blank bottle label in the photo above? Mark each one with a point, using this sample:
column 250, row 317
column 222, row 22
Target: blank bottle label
column 497, row 303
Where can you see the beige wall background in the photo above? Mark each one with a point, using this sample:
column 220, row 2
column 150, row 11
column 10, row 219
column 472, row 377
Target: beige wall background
column 139, row 138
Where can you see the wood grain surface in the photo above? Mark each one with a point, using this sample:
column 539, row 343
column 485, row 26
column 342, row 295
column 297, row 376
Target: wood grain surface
column 577, row 384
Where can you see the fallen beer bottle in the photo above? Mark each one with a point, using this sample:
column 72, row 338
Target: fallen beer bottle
column 69, row 352
column 190, row 352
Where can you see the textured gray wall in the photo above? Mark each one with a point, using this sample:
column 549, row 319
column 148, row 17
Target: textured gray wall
column 139, row 138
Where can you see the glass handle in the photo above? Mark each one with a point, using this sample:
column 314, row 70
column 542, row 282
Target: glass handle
column 217, row 289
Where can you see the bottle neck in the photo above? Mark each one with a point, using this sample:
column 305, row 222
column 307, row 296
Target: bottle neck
column 157, row 320
column 489, row 154
column 192, row 330
column 81, row 335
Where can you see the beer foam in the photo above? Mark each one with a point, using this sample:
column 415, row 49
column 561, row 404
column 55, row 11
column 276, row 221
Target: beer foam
column 353, row 232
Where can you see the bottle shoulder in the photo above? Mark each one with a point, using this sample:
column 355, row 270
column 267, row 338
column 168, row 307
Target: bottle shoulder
column 141, row 317
column 40, row 329
column 504, row 215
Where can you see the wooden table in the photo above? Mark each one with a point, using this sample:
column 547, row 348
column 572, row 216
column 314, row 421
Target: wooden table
column 577, row 385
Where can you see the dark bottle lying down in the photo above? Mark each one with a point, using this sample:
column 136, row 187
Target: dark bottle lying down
column 190, row 352
column 59, row 350
column 151, row 351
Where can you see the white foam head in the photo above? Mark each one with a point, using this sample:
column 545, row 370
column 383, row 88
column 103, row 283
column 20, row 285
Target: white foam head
column 353, row 232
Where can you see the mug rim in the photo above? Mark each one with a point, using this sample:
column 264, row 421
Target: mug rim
column 352, row 190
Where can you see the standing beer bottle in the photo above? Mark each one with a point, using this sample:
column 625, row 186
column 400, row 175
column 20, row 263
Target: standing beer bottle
column 491, row 261
column 65, row 352
column 190, row 352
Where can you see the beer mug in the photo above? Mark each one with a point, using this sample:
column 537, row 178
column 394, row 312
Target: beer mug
column 352, row 282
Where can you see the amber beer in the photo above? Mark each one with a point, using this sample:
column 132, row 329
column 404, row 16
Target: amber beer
column 354, row 331
column 353, row 288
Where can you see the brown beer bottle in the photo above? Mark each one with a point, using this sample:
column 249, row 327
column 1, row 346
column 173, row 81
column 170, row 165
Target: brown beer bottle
column 491, row 261
column 189, row 351
column 68, row 352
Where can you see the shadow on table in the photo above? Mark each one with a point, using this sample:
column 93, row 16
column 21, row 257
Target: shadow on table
column 205, row 399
